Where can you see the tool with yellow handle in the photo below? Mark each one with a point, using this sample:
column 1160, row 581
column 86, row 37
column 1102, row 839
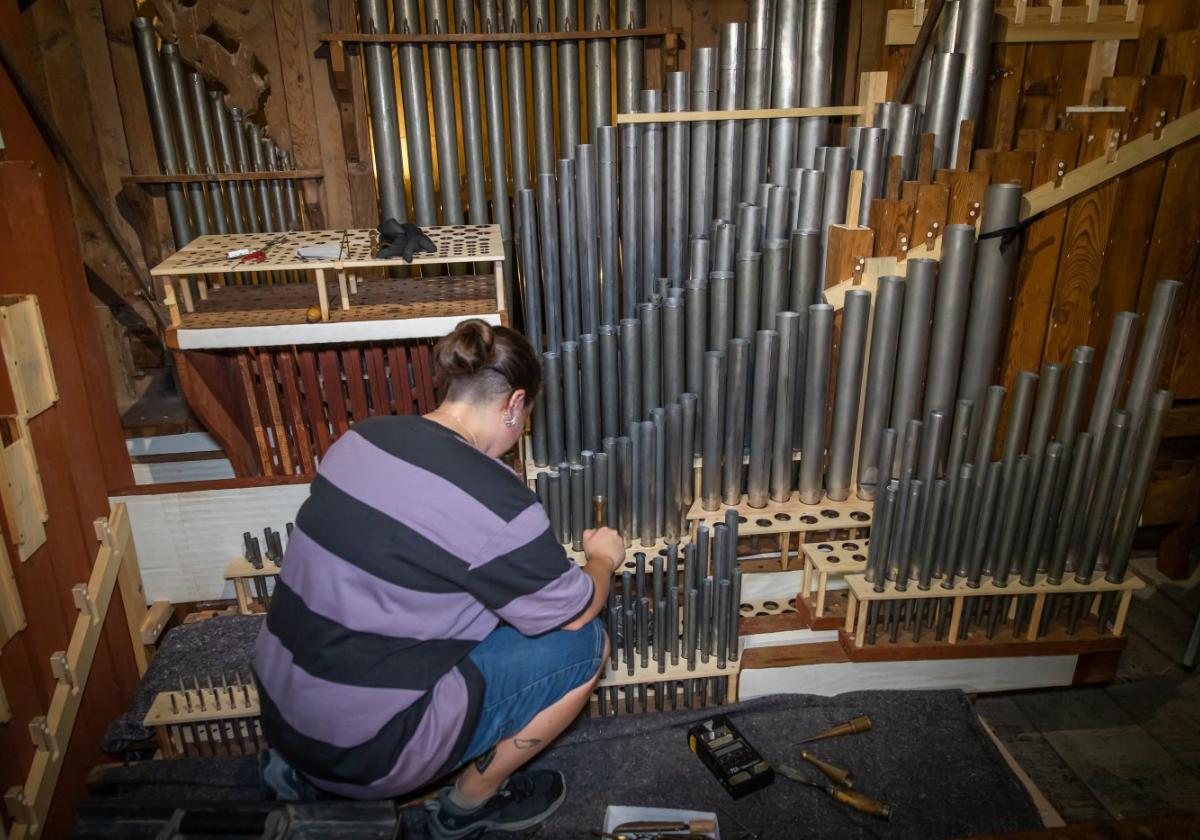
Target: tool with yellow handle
column 850, row 727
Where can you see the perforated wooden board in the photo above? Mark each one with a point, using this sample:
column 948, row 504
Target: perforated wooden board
column 357, row 248
column 621, row 676
column 455, row 244
column 378, row 299
column 864, row 591
column 837, row 556
column 26, row 354
column 791, row 516
column 207, row 254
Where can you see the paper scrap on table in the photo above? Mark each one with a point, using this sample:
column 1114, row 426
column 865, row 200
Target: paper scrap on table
column 620, row 814
column 325, row 251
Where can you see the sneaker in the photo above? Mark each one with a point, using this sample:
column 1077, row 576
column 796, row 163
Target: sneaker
column 527, row 798
column 282, row 780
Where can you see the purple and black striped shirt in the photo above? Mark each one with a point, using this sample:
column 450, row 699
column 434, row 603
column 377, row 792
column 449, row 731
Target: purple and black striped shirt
column 410, row 549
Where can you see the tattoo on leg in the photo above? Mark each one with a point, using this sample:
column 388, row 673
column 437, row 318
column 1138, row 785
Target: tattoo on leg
column 484, row 761
column 526, row 743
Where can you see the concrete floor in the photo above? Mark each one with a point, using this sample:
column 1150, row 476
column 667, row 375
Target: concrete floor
column 1129, row 749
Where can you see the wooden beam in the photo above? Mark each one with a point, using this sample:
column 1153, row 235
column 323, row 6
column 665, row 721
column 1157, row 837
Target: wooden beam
column 1127, row 157
column 741, row 114
column 496, row 37
column 277, row 175
column 1038, row 25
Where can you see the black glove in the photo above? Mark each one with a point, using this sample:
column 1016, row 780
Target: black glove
column 407, row 241
column 389, row 229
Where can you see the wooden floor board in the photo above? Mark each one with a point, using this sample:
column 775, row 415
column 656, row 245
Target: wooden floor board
column 1129, row 773
column 1142, row 660
column 1046, row 768
column 1163, row 622
column 1169, row 715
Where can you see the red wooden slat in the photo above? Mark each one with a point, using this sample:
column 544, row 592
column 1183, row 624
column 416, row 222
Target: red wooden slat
column 294, row 410
column 352, row 364
column 401, row 385
column 270, row 386
column 422, row 373
column 377, row 380
column 312, row 397
column 331, row 378
column 250, row 394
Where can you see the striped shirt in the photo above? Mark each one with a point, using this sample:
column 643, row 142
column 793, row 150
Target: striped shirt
column 410, row 549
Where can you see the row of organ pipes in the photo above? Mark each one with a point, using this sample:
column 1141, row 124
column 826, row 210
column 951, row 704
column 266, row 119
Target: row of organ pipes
column 673, row 274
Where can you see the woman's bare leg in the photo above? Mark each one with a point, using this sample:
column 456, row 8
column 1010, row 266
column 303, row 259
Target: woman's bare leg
column 484, row 776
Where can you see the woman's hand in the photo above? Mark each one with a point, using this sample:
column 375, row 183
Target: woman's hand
column 604, row 543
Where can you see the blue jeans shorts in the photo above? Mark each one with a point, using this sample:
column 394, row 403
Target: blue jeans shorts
column 525, row 675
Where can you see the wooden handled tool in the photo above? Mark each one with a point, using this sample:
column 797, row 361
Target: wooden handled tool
column 835, row 774
column 852, row 798
column 699, row 826
column 850, row 727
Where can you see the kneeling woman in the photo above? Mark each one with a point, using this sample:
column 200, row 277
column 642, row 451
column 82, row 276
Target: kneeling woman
column 383, row 664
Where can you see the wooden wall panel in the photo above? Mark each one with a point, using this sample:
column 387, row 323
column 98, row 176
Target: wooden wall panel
column 78, row 443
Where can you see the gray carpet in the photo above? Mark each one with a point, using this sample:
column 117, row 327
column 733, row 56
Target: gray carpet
column 926, row 755
column 221, row 645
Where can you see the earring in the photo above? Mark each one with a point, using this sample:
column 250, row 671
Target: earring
column 509, row 419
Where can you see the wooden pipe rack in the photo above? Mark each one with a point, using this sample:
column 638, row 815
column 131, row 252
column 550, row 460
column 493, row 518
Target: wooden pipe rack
column 823, row 559
column 863, row 594
column 228, row 315
column 207, row 721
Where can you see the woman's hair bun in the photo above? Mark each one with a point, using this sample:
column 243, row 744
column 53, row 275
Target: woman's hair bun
column 467, row 350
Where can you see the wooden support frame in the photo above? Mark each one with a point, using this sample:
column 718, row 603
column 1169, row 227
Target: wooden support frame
column 862, row 593
column 1117, row 162
column 29, row 804
column 830, row 557
column 1021, row 24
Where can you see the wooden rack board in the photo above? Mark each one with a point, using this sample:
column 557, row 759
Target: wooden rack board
column 380, row 309
column 790, row 517
column 191, row 705
column 240, row 572
column 619, row 676
column 821, row 559
column 862, row 592
column 410, row 309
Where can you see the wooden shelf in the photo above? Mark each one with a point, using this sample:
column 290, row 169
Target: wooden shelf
column 381, row 308
column 619, row 676
column 790, row 517
column 821, row 559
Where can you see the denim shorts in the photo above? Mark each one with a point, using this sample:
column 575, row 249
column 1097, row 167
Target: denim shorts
column 525, row 675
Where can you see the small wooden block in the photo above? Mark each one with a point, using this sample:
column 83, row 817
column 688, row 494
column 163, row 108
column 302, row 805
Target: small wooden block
column 21, row 488
column 156, row 619
column 27, row 354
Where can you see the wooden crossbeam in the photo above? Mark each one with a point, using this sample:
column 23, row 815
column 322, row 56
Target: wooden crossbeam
column 496, row 37
column 276, row 175
column 1020, row 24
column 1119, row 161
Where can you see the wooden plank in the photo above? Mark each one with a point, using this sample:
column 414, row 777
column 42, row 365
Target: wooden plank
column 21, row 488
column 894, row 223
column 1138, row 195
column 331, row 382
column 1134, row 154
column 1020, row 735
column 1129, row 773
column 929, row 220
column 352, row 364
column 306, row 361
column 377, row 380
column 270, row 385
column 999, row 127
column 423, row 375
column 205, row 381
column 399, row 376
column 1037, row 27
column 250, row 400
column 1086, row 233
column 1038, row 265
column 225, row 177
column 294, row 410
column 847, row 252
column 1161, row 707
column 27, row 355
column 740, row 114
column 967, row 190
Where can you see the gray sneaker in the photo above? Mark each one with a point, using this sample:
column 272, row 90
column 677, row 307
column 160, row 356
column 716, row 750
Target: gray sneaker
column 527, row 798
